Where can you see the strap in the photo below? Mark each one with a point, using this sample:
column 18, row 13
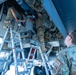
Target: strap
column 69, row 63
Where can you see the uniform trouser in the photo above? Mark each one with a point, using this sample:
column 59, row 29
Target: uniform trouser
column 39, row 70
column 73, row 70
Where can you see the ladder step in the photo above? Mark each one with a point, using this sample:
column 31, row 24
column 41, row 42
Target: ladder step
column 21, row 60
column 15, row 32
column 30, row 61
column 1, row 70
column 17, row 44
column 5, row 50
column 3, row 60
column 50, row 69
column 23, row 72
column 32, row 54
column 16, row 40
column 7, row 41
column 29, row 66
column 19, row 50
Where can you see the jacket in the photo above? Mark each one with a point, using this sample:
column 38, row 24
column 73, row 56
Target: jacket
column 65, row 62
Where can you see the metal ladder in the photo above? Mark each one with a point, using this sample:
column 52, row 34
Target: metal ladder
column 44, row 61
column 5, row 60
column 47, row 62
column 31, row 57
column 17, row 50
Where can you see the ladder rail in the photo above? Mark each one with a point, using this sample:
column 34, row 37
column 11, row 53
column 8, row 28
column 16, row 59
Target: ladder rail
column 29, row 53
column 5, row 67
column 22, row 52
column 14, row 52
column 48, row 63
column 31, row 57
column 6, row 64
column 34, row 54
column 4, row 38
column 15, row 55
column 45, row 66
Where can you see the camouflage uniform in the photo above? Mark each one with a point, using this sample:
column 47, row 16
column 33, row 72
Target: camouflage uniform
column 65, row 63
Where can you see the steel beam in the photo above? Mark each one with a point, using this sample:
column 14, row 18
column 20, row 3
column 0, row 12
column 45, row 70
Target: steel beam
column 51, row 10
